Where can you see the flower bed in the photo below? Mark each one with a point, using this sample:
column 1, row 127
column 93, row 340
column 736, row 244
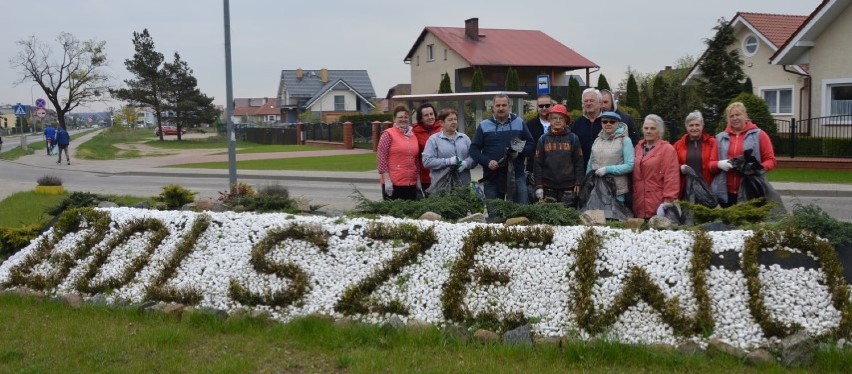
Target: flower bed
column 635, row 287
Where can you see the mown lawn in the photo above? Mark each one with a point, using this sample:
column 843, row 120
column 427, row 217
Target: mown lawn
column 17, row 153
column 102, row 146
column 243, row 147
column 810, row 176
column 28, row 207
column 355, row 162
column 46, row 336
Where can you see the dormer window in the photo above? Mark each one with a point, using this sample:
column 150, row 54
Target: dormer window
column 750, row 45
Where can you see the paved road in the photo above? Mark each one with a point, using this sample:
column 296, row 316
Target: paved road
column 146, row 176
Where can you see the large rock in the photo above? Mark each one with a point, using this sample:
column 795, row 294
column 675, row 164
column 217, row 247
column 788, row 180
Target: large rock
column 593, row 218
column 797, row 349
column 689, row 347
column 474, row 218
column 519, row 336
column 430, row 216
column 547, row 341
column 394, row 322
column 460, row 333
column 515, row 221
column 716, row 347
column 174, row 309
column 759, row 356
column 73, row 300
column 485, row 336
column 634, row 223
column 661, row 223
column 142, row 205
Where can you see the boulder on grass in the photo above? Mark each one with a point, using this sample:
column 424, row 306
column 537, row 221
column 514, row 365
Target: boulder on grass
column 485, row 336
column 593, row 218
column 519, row 336
column 797, row 350
column 661, row 223
column 73, row 300
column 515, row 221
column 759, row 356
column 430, row 216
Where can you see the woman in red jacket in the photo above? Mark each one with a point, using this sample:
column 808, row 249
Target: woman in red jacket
column 697, row 149
column 397, row 158
column 426, row 124
column 655, row 170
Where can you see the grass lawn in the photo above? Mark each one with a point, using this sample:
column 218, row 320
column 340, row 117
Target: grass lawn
column 810, row 176
column 102, row 146
column 355, row 162
column 28, row 207
column 219, row 143
column 46, row 336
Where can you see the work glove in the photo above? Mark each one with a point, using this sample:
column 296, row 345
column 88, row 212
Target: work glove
column 388, row 185
column 462, row 166
column 601, row 172
column 452, row 161
column 539, row 193
column 725, row 165
column 683, row 169
column 661, row 210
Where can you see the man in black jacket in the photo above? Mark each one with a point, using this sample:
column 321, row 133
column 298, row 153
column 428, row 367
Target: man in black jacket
column 609, row 104
column 538, row 126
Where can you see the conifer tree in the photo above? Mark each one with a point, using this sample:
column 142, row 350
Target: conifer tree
column 721, row 72
column 445, row 84
column 512, row 80
column 575, row 96
column 602, row 83
column 477, row 83
column 632, row 99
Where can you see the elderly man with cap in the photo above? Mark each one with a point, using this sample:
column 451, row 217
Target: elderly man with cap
column 558, row 160
column 612, row 153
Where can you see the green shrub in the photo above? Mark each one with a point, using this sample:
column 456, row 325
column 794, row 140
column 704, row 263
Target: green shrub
column 236, row 191
column 750, row 212
column 361, row 118
column 76, row 200
column 175, row 196
column 269, row 198
column 13, row 239
column 450, row 204
column 547, row 213
column 49, row 180
column 813, row 218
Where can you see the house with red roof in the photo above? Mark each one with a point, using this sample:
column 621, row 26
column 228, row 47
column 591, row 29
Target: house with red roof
column 822, row 43
column 260, row 111
column 458, row 51
column 758, row 37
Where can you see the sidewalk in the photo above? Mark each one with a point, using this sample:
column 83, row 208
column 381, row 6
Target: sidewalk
column 156, row 166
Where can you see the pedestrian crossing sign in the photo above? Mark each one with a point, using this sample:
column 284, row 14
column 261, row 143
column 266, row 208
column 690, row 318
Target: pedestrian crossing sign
column 20, row 110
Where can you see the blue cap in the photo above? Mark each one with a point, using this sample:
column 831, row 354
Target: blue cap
column 611, row 115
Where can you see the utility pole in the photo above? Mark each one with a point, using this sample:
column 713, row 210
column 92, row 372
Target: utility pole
column 229, row 107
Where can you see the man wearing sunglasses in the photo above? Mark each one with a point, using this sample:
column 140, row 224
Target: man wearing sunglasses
column 539, row 125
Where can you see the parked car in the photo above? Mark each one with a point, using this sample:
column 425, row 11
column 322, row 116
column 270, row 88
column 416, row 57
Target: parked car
column 169, row 130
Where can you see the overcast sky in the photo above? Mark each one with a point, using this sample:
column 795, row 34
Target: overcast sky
column 269, row 36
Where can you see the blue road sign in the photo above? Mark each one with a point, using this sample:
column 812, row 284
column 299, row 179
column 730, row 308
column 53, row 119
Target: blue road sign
column 40, row 103
column 20, row 110
column 543, row 84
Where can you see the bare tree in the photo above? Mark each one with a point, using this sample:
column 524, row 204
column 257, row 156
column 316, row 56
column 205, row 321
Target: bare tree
column 72, row 77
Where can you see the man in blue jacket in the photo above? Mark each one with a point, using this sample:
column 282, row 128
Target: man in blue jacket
column 63, row 139
column 492, row 147
column 49, row 135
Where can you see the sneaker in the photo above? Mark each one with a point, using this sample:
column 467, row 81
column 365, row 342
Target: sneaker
column 58, row 162
column 69, row 162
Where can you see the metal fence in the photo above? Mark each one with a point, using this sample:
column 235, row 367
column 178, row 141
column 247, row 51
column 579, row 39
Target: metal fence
column 327, row 132
column 268, row 135
column 815, row 137
column 362, row 135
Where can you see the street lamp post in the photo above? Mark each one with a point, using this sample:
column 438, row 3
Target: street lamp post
column 32, row 105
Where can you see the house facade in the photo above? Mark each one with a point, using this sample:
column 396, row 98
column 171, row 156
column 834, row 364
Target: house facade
column 823, row 43
column 459, row 51
column 327, row 94
column 260, row 111
column 758, row 37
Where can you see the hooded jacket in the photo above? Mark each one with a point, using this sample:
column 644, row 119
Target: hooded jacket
column 656, row 178
column 492, row 138
column 558, row 162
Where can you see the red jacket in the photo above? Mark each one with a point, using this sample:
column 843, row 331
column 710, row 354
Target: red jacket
column 767, row 153
column 709, row 156
column 423, row 134
column 656, row 178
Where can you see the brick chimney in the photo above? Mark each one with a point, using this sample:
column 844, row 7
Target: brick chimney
column 471, row 28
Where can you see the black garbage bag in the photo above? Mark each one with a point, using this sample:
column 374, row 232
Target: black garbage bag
column 679, row 214
column 598, row 193
column 754, row 184
column 696, row 190
column 447, row 181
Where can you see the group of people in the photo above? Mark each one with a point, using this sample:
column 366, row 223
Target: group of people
column 559, row 154
column 60, row 138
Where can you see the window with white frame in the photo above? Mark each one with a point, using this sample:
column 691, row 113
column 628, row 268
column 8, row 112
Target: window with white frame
column 430, row 52
column 840, row 99
column 750, row 45
column 779, row 99
column 339, row 103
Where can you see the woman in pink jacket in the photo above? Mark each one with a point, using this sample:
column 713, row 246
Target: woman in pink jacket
column 397, row 158
column 656, row 172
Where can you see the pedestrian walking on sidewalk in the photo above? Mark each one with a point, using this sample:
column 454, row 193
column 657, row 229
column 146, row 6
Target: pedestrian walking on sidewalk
column 62, row 140
column 49, row 136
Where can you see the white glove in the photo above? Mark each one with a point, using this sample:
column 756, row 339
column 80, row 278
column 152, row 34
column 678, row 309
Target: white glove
column 388, row 185
column 462, row 166
column 725, row 165
column 683, row 169
column 452, row 161
column 661, row 210
column 539, row 194
column 601, row 172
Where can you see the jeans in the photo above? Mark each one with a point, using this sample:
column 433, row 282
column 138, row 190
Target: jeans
column 521, row 194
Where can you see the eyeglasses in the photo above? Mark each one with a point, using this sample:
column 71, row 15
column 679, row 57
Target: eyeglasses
column 543, row 106
column 608, row 121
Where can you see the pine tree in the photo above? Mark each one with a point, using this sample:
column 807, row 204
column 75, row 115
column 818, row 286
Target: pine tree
column 632, row 100
column 445, row 84
column 477, row 83
column 575, row 96
column 721, row 72
column 150, row 85
column 747, row 86
column 602, row 83
column 512, row 80
column 189, row 105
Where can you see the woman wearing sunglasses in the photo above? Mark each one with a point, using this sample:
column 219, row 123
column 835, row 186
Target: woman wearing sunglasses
column 612, row 153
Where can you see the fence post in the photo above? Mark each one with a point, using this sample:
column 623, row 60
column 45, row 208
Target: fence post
column 377, row 131
column 348, row 141
column 386, row 125
column 299, row 138
column 792, row 138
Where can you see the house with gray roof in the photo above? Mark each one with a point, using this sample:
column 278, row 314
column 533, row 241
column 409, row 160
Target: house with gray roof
column 328, row 94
